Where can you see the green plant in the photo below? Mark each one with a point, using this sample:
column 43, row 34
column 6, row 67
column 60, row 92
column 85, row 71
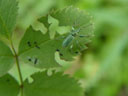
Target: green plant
column 38, row 49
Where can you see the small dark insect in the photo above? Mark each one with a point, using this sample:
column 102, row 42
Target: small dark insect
column 35, row 62
column 29, row 59
column 36, row 45
column 29, row 43
column 57, row 50
column 61, row 54
column 76, row 52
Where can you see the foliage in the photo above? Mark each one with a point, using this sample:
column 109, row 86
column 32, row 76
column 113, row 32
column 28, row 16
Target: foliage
column 8, row 85
column 53, row 85
column 38, row 48
column 7, row 17
column 102, row 69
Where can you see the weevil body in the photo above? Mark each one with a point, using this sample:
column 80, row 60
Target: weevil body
column 70, row 37
column 67, row 41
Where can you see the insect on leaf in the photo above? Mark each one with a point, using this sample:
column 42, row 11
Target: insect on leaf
column 81, row 32
column 40, row 48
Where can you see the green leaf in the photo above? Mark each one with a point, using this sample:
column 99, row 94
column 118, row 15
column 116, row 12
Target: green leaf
column 77, row 19
column 53, row 26
column 6, row 59
column 55, row 85
column 8, row 13
column 38, row 49
column 8, row 86
column 38, row 26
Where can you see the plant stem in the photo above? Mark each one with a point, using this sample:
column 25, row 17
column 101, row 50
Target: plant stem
column 18, row 67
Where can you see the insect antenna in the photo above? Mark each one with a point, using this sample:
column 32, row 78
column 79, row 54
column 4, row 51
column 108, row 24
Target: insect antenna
column 85, row 26
column 76, row 21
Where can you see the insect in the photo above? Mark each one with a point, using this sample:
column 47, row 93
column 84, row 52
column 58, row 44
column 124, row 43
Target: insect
column 29, row 59
column 35, row 62
column 29, row 43
column 36, row 45
column 74, row 33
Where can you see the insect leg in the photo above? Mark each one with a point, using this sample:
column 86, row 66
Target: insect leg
column 77, row 42
column 85, row 26
column 71, row 49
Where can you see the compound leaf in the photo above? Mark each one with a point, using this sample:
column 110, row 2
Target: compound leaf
column 39, row 49
column 8, row 86
column 6, row 58
column 55, row 85
column 76, row 19
column 8, row 13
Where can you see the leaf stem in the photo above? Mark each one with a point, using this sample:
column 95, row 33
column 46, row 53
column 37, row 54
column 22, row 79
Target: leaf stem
column 18, row 67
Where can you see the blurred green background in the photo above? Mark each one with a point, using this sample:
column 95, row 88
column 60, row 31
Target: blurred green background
column 103, row 68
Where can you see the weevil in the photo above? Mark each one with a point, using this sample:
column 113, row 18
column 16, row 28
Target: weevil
column 74, row 33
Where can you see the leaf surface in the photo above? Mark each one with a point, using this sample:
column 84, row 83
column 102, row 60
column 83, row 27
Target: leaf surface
column 8, row 86
column 8, row 14
column 55, row 85
column 39, row 49
column 77, row 19
column 6, row 59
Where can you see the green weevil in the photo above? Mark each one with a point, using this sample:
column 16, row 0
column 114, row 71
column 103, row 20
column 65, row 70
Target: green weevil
column 74, row 33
